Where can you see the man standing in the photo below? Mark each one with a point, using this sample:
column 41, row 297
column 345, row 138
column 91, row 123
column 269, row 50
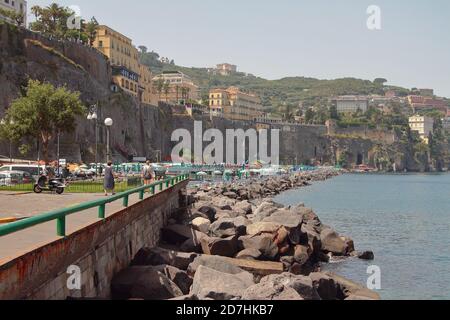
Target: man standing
column 147, row 173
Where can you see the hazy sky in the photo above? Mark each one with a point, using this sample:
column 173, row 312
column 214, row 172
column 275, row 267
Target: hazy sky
column 274, row 39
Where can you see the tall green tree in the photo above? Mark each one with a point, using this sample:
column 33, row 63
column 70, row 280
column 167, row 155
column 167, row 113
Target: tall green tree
column 43, row 112
column 17, row 17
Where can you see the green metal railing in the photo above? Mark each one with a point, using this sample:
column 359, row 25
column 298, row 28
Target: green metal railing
column 61, row 214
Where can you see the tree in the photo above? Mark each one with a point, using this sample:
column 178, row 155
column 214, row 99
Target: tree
column 41, row 113
column 380, row 81
column 143, row 49
column 309, row 115
column 158, row 86
column 166, row 88
column 17, row 17
column 90, row 29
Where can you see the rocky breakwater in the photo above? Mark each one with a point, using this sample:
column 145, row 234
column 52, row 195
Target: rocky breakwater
column 234, row 242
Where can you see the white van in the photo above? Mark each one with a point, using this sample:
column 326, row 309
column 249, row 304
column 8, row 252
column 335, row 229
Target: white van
column 34, row 170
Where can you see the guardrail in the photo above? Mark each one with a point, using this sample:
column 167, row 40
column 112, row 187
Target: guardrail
column 61, row 214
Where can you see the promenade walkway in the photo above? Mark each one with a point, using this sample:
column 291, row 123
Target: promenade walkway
column 22, row 205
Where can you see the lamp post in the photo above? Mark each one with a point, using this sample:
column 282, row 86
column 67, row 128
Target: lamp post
column 108, row 123
column 92, row 116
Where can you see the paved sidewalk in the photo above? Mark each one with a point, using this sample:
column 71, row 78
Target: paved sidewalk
column 22, row 205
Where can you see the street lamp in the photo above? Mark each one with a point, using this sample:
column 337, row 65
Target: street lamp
column 92, row 116
column 108, row 123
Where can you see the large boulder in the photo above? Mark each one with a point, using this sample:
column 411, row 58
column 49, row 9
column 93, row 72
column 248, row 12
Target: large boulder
column 264, row 243
column 143, row 282
column 302, row 254
column 226, row 247
column 223, row 228
column 179, row 234
column 348, row 288
column 325, row 286
column 332, row 242
column 213, row 262
column 160, row 256
column 209, row 211
column 285, row 218
column 262, row 227
column 177, row 276
column 249, row 254
column 201, row 224
column 265, row 209
column 366, row 255
column 244, row 206
column 274, row 287
column 212, row 284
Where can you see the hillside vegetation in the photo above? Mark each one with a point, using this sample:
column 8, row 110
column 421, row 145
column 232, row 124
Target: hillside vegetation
column 291, row 90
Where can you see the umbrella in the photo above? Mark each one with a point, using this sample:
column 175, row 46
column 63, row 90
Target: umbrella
column 218, row 173
column 202, row 173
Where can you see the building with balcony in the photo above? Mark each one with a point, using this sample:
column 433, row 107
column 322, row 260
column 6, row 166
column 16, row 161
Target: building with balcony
column 180, row 87
column 19, row 6
column 234, row 104
column 128, row 73
column 423, row 125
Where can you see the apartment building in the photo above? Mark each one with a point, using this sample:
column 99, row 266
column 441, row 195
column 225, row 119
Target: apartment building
column 128, row 73
column 19, row 6
column 423, row 125
column 181, row 88
column 351, row 104
column 234, row 104
column 226, row 69
column 419, row 103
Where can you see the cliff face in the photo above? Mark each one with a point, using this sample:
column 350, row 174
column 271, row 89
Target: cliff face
column 139, row 130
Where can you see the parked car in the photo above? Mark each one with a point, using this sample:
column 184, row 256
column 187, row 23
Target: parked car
column 11, row 178
column 34, row 171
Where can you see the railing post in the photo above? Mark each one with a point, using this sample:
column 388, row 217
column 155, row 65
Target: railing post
column 141, row 194
column 61, row 226
column 167, row 183
column 102, row 211
column 125, row 201
column 153, row 189
column 161, row 186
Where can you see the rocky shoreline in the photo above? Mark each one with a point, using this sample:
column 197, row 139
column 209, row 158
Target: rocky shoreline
column 233, row 242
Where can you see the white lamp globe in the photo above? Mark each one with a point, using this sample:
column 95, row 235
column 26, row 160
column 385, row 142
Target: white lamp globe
column 94, row 116
column 89, row 117
column 109, row 122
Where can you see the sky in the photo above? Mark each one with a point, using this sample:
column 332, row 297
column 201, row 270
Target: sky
column 325, row 39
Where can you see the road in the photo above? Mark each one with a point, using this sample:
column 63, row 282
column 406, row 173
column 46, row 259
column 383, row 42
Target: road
column 22, row 205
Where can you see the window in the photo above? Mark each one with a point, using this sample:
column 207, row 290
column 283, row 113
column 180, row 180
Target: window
column 100, row 44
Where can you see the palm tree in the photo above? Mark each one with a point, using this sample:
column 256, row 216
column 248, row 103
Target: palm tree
column 166, row 89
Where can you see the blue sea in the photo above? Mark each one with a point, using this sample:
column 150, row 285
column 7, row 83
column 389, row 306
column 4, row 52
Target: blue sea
column 403, row 219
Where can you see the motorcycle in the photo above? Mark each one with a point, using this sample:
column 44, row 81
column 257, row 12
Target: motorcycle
column 57, row 185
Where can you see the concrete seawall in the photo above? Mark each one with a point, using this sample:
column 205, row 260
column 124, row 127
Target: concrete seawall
column 99, row 251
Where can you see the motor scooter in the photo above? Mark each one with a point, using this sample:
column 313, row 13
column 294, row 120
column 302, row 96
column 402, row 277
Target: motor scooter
column 44, row 183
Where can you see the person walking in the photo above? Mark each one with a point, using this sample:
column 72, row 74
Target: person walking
column 147, row 173
column 109, row 183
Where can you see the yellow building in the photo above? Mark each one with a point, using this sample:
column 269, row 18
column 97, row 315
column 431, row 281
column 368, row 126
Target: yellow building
column 128, row 73
column 175, row 87
column 423, row 125
column 234, row 104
